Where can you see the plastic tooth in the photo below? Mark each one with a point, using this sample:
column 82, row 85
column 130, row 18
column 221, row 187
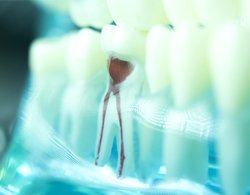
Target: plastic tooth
column 190, row 81
column 180, row 11
column 48, row 66
column 134, row 13
column 230, row 69
column 90, row 13
column 157, row 59
column 215, row 12
column 85, row 62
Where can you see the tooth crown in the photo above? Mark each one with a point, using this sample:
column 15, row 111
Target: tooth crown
column 157, row 58
column 47, row 56
column 179, row 11
column 213, row 12
column 189, row 64
column 85, row 55
column 230, row 61
column 90, row 13
column 135, row 13
column 124, row 43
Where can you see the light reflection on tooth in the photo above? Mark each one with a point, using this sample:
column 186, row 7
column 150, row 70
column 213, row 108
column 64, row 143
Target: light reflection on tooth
column 230, row 67
column 215, row 12
column 135, row 13
column 179, row 11
column 90, row 13
column 48, row 66
column 157, row 58
column 85, row 62
column 187, row 156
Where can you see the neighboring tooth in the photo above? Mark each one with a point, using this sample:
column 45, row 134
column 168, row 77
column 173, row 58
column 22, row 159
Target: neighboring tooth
column 157, row 58
column 90, row 13
column 230, row 70
column 215, row 12
column 135, row 13
column 190, row 81
column 124, row 43
column 179, row 11
column 85, row 61
column 48, row 66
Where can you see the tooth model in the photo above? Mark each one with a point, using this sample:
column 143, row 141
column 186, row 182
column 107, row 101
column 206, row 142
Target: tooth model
column 215, row 12
column 179, row 11
column 90, row 13
column 150, row 108
column 125, row 49
column 186, row 152
column 85, row 62
column 48, row 69
column 231, row 69
column 138, row 14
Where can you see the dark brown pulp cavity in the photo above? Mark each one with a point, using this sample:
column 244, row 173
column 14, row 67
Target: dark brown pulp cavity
column 119, row 70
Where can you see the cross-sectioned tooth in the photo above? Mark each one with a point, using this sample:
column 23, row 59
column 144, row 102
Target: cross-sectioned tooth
column 215, row 12
column 179, row 11
column 90, row 13
column 230, row 61
column 190, row 82
column 157, row 58
column 139, row 14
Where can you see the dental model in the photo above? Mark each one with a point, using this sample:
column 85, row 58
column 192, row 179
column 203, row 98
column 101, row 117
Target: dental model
column 125, row 48
column 138, row 14
column 48, row 69
column 179, row 11
column 90, row 13
column 230, row 62
column 186, row 150
column 85, row 62
column 216, row 12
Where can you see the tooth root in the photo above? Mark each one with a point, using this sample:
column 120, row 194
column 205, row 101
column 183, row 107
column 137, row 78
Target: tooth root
column 157, row 58
column 190, row 81
column 230, row 69
column 90, row 13
column 215, row 12
column 180, row 11
column 124, row 43
column 135, row 13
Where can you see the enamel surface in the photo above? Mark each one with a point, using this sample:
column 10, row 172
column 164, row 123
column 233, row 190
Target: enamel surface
column 157, row 58
column 90, row 13
column 230, row 67
column 179, row 11
column 135, row 13
column 214, row 12
column 189, row 64
column 48, row 56
column 124, row 43
column 85, row 55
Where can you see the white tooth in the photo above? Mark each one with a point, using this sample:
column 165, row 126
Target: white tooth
column 61, row 5
column 139, row 14
column 125, row 43
column 85, row 60
column 245, row 7
column 90, row 13
column 190, row 81
column 157, row 58
column 48, row 66
column 179, row 11
column 230, row 67
column 214, row 12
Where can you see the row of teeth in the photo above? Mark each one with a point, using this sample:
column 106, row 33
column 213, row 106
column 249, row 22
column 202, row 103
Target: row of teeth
column 188, row 60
